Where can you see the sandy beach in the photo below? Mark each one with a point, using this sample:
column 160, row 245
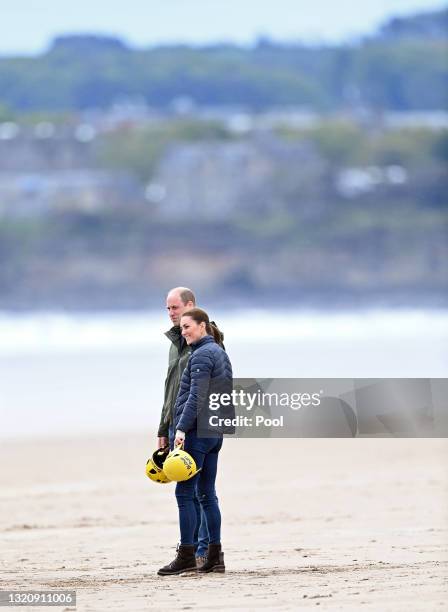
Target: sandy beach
column 340, row 524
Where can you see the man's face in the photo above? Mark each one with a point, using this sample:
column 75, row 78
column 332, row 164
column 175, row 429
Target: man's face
column 176, row 307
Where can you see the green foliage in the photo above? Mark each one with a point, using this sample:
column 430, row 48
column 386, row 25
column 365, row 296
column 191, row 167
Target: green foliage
column 139, row 149
column 439, row 147
column 275, row 226
column 406, row 147
column 389, row 71
column 61, row 118
column 340, row 142
column 426, row 25
column 6, row 114
column 404, row 75
column 345, row 143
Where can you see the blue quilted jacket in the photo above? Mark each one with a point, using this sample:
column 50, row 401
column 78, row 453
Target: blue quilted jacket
column 208, row 371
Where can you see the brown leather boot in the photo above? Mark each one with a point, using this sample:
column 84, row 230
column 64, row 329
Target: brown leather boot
column 215, row 560
column 185, row 561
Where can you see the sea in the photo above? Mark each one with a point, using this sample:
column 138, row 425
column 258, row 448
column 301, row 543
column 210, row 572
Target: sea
column 64, row 374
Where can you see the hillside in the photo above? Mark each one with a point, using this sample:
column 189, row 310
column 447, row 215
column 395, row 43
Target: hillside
column 404, row 66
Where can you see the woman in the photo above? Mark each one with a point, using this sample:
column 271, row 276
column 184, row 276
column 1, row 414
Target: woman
column 208, row 368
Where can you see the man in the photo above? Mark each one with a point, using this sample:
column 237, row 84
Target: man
column 178, row 301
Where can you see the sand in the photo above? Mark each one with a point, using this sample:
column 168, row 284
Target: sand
column 339, row 524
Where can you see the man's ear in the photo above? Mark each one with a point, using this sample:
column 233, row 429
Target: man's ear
column 190, row 304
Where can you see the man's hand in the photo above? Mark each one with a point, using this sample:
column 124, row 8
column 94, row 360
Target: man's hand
column 162, row 442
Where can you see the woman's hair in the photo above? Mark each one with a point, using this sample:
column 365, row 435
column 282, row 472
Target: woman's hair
column 200, row 316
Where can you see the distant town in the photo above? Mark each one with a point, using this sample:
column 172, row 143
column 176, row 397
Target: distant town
column 104, row 206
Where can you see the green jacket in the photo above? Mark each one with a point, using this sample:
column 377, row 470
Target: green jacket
column 177, row 361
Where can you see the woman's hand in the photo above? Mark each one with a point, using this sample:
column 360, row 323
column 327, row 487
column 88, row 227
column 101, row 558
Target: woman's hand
column 179, row 438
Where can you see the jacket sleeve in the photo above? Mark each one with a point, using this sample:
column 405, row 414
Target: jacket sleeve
column 201, row 367
column 162, row 431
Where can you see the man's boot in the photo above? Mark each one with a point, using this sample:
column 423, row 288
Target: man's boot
column 214, row 561
column 185, row 561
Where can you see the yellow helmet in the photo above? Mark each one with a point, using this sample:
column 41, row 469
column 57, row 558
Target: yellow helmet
column 154, row 466
column 179, row 465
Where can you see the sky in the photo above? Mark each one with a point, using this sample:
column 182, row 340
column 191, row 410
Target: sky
column 28, row 26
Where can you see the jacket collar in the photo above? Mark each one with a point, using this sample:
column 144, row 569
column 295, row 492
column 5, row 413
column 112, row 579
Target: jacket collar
column 205, row 340
column 176, row 337
column 174, row 334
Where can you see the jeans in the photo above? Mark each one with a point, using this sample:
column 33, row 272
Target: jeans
column 200, row 488
column 201, row 537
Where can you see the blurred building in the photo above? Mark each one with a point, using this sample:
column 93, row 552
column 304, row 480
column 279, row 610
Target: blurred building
column 27, row 194
column 215, row 180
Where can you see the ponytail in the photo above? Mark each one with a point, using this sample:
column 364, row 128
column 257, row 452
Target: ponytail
column 212, row 330
column 200, row 316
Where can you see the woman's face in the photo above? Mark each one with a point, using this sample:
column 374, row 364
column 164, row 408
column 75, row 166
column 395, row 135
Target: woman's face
column 192, row 331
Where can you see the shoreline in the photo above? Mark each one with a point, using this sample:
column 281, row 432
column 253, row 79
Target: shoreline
column 326, row 304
